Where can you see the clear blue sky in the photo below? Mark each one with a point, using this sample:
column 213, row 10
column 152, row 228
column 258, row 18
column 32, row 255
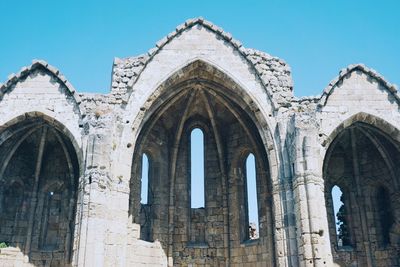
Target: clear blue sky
column 317, row 38
column 197, row 169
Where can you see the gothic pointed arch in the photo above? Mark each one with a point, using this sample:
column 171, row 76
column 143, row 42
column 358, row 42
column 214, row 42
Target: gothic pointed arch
column 270, row 72
column 346, row 72
column 39, row 175
column 387, row 128
column 361, row 160
column 201, row 96
column 41, row 66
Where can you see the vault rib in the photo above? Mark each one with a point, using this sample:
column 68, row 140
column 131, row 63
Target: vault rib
column 71, row 203
column 384, row 154
column 360, row 197
column 15, row 147
column 157, row 116
column 221, row 158
column 35, row 189
column 10, row 134
column 253, row 143
column 175, row 149
column 238, row 117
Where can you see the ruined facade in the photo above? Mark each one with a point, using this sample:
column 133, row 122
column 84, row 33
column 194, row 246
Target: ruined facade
column 71, row 162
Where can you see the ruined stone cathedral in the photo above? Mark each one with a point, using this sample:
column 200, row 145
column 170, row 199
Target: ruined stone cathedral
column 327, row 170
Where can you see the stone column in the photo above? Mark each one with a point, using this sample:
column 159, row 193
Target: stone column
column 308, row 187
column 91, row 221
column 285, row 239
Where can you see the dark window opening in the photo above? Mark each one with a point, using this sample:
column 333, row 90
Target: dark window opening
column 385, row 215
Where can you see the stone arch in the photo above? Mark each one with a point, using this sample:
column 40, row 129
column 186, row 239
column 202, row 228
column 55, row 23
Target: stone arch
column 369, row 120
column 40, row 152
column 64, row 124
column 8, row 128
column 258, row 63
column 360, row 157
column 217, row 74
column 264, row 121
column 196, row 89
column 371, row 73
column 8, row 86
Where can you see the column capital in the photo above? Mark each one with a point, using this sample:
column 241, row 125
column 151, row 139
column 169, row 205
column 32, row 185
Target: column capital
column 308, row 177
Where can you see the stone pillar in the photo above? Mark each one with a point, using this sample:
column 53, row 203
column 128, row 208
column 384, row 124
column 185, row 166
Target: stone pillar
column 92, row 221
column 308, row 187
column 286, row 229
column 102, row 201
column 284, row 209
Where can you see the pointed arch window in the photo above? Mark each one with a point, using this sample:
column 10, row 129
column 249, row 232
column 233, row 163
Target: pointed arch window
column 385, row 215
column 341, row 217
column 145, row 180
column 251, row 197
column 51, row 217
column 197, row 193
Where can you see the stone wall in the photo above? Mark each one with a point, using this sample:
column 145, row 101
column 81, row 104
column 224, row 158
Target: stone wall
column 71, row 163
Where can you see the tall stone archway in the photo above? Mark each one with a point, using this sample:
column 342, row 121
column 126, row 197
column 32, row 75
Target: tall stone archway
column 39, row 173
column 361, row 161
column 212, row 234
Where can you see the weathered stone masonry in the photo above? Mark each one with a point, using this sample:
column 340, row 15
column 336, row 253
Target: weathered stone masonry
column 71, row 163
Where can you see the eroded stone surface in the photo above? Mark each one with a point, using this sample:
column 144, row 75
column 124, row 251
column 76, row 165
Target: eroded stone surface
column 71, row 169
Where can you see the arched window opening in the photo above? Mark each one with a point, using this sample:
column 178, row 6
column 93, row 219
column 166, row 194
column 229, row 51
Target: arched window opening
column 251, row 192
column 52, row 219
column 341, row 224
column 144, row 195
column 197, row 168
column 385, row 215
column 198, row 173
column 145, row 199
column 38, row 212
